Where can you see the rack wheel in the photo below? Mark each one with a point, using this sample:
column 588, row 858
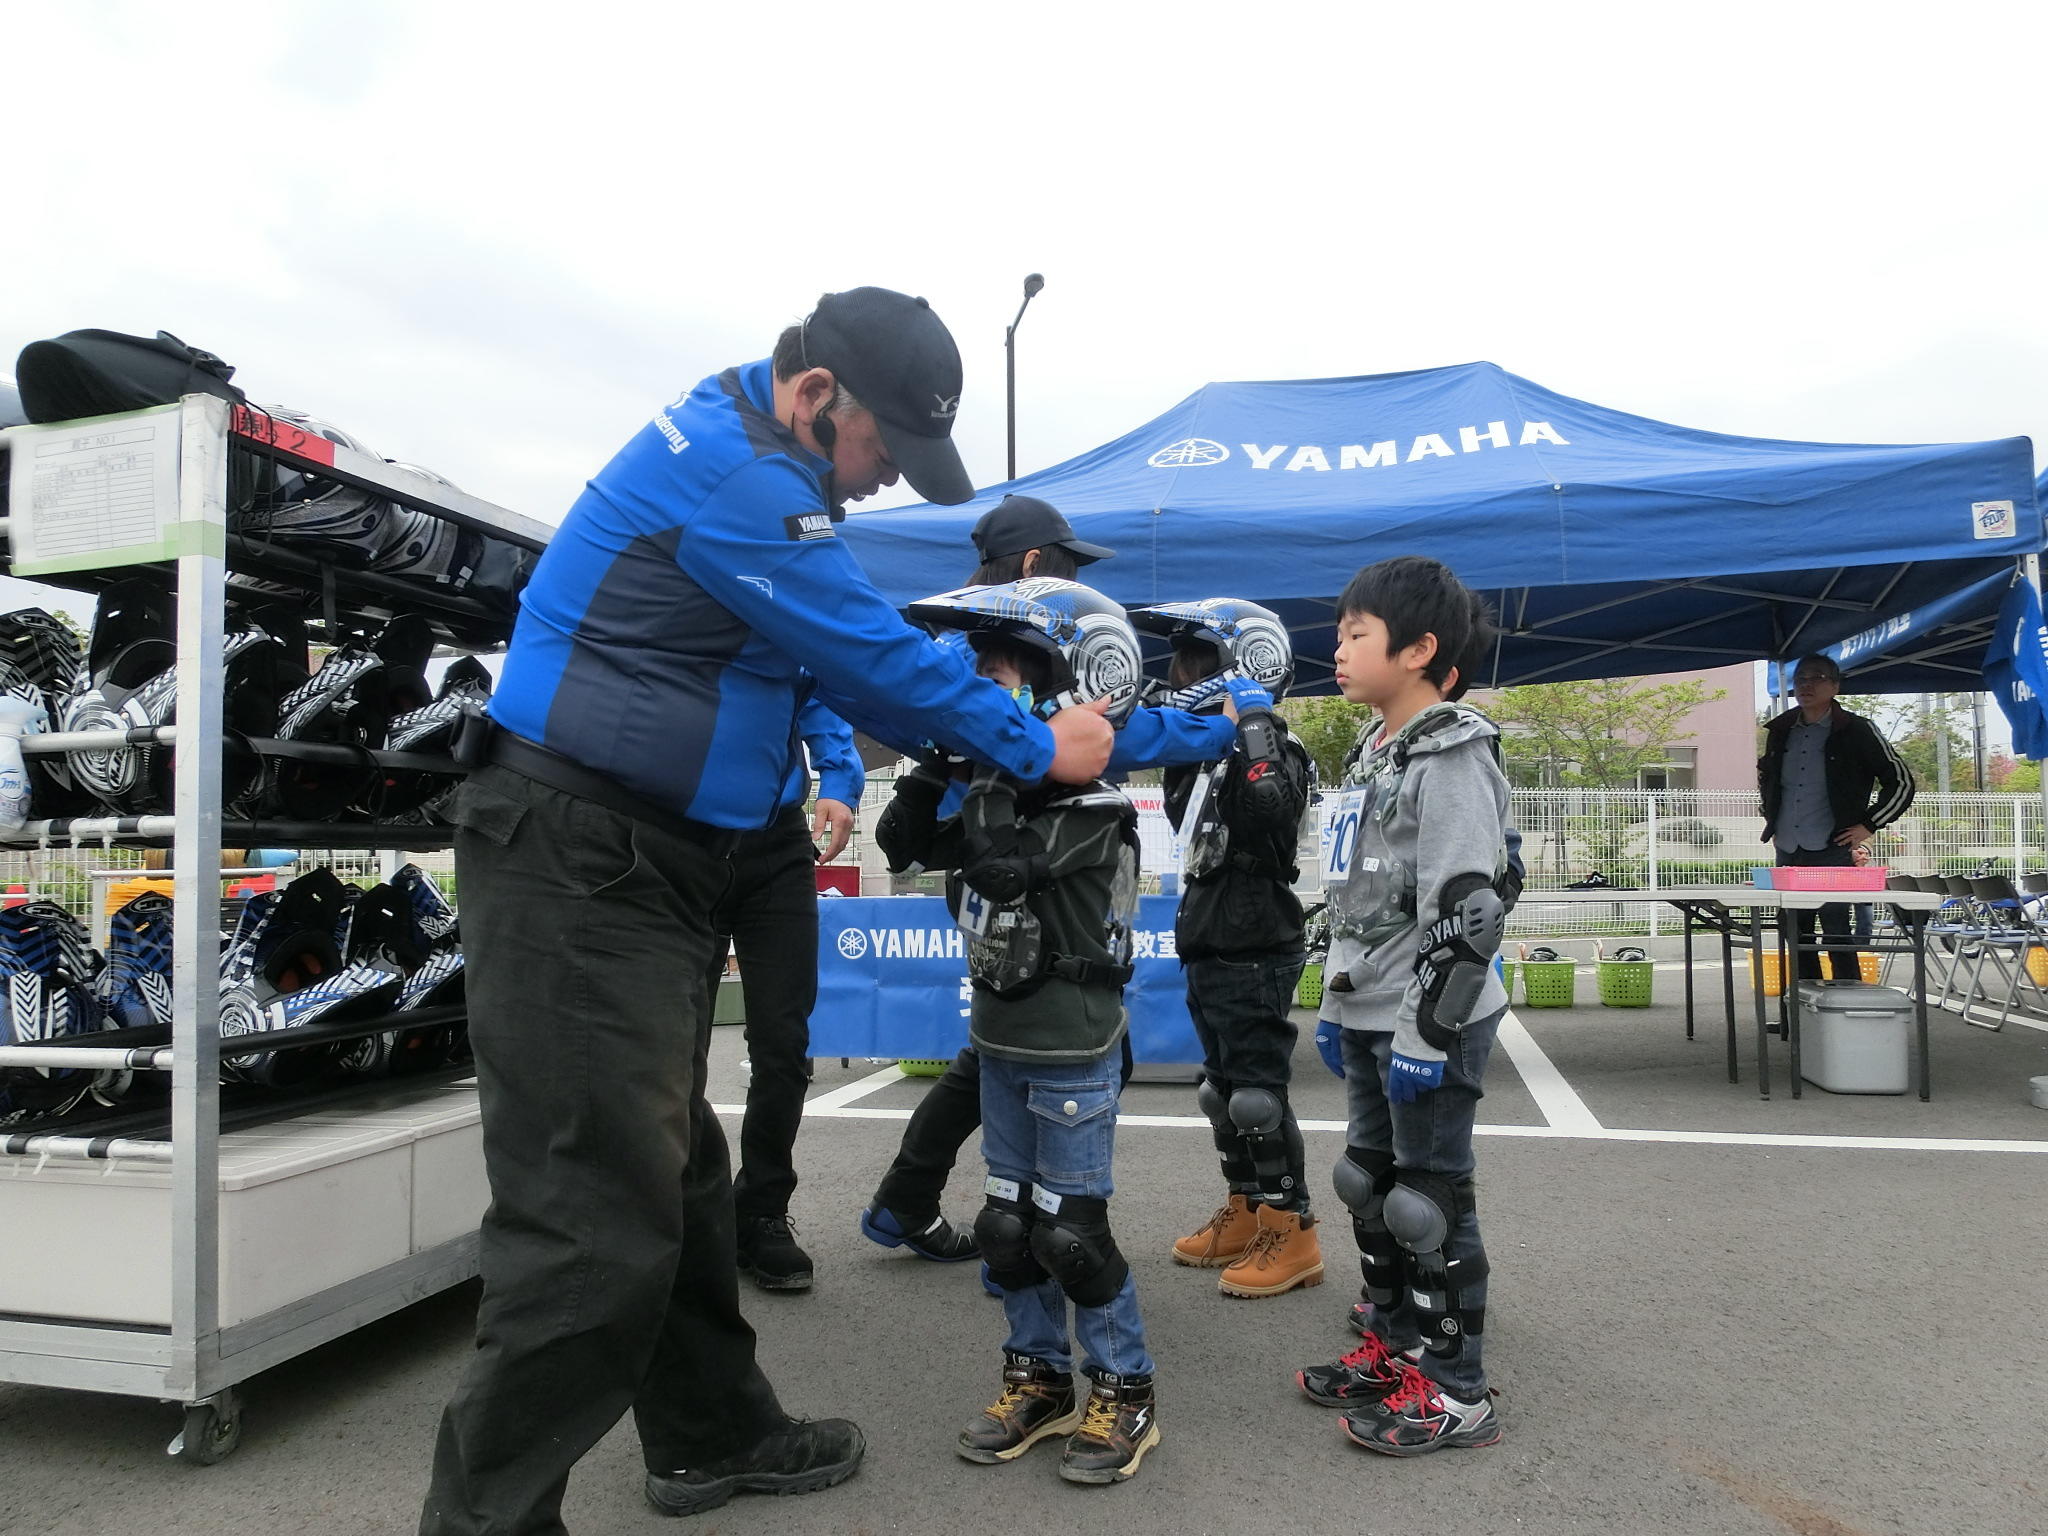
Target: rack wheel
column 213, row 1429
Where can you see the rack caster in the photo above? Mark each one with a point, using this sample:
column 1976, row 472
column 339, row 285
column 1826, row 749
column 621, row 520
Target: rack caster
column 213, row 1428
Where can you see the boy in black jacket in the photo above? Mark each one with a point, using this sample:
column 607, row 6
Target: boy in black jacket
column 1045, row 889
column 1239, row 937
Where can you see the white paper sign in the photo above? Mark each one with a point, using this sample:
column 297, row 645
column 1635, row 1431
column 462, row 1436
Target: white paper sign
column 1158, row 848
column 98, row 493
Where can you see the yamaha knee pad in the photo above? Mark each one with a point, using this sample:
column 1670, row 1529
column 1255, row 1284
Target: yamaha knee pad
column 1213, row 1103
column 1072, row 1240
column 1422, row 1208
column 1003, row 1228
column 1361, row 1180
column 1256, row 1111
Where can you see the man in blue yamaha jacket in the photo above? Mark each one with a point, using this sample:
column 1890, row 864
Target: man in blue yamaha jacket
column 648, row 720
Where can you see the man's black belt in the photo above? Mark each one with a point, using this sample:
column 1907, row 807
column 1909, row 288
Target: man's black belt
column 572, row 778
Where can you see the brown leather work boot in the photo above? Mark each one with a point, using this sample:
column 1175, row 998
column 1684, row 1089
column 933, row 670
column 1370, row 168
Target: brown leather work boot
column 1037, row 1403
column 1283, row 1254
column 1222, row 1238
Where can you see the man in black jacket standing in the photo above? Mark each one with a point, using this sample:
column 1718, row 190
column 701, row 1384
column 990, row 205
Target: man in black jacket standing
column 1828, row 780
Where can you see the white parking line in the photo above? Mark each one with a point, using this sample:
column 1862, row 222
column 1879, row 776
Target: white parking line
column 1559, row 1101
column 846, row 1093
column 1589, row 1132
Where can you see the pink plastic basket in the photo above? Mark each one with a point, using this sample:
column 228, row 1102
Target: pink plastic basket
column 1828, row 877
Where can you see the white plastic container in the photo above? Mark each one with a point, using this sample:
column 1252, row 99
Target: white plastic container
column 1853, row 1037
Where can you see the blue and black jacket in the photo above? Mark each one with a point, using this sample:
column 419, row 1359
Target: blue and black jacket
column 663, row 638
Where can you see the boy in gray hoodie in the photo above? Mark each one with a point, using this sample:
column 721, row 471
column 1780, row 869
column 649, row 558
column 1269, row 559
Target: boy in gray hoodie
column 1416, row 869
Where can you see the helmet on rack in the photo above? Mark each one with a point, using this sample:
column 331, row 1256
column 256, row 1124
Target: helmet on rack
column 1243, row 635
column 1089, row 641
column 429, row 729
column 349, row 702
column 311, row 511
column 47, row 970
column 40, row 661
column 131, row 645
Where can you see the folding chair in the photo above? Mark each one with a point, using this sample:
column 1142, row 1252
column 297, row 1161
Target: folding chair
column 2011, row 934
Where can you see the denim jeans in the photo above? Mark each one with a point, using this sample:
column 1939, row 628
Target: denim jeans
column 1431, row 1135
column 1053, row 1126
column 1239, row 1010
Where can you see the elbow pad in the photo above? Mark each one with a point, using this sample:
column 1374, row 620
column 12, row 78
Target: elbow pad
column 1456, row 950
column 1004, row 861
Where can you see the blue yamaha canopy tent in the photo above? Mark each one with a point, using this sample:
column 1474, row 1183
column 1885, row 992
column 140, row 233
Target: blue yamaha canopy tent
column 1936, row 647
column 1608, row 543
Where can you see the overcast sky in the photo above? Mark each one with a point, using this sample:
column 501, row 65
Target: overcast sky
column 491, row 239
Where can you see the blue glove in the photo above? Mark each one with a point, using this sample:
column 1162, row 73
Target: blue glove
column 1409, row 1079
column 1330, row 1045
column 1246, row 694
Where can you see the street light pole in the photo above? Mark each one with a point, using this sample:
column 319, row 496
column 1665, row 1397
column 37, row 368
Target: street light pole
column 1031, row 286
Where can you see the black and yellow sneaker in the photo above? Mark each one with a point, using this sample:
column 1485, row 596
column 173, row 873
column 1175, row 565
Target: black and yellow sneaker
column 1037, row 1403
column 1418, row 1417
column 1116, row 1431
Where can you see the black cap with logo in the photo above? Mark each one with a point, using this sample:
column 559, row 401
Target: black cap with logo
column 1018, row 523
column 899, row 360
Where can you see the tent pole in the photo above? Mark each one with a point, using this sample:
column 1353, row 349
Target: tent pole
column 2030, row 567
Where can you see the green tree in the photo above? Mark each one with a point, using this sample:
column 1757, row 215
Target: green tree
column 1326, row 727
column 1594, row 735
column 1915, row 724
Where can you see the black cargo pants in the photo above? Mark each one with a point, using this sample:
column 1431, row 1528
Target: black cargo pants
column 771, row 916
column 607, row 1251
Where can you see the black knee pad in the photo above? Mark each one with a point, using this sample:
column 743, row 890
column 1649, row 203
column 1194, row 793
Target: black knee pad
column 1003, row 1227
column 1076, row 1248
column 1422, row 1208
column 1214, row 1104
column 1361, row 1180
column 1256, row 1111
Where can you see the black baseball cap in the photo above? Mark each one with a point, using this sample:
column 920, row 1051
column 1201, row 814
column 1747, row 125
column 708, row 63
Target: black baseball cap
column 1018, row 523
column 899, row 360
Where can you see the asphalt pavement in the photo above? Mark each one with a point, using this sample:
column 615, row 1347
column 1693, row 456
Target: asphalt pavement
column 1709, row 1314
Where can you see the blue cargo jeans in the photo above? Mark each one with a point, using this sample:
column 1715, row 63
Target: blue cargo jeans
column 1431, row 1135
column 1052, row 1125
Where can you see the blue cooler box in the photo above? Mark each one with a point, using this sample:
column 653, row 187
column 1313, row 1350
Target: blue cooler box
column 1853, row 1037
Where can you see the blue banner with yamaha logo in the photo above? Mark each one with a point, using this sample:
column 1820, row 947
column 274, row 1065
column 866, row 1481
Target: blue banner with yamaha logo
column 2016, row 669
column 892, row 981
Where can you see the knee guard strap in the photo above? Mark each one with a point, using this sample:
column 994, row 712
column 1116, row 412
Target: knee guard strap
column 1260, row 1118
column 1238, row 1173
column 1422, row 1211
column 1003, row 1228
column 1072, row 1240
column 1362, row 1179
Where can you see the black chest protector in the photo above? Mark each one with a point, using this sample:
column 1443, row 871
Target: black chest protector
column 1000, row 895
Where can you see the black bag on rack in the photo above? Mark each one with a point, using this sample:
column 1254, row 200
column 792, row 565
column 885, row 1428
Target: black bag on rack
column 96, row 373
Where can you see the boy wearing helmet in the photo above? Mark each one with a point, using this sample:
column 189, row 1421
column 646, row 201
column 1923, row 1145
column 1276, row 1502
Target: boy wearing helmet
column 1045, row 888
column 1239, row 936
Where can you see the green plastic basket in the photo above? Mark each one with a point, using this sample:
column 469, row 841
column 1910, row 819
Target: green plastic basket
column 1308, row 992
column 922, row 1068
column 1549, row 983
column 1626, row 983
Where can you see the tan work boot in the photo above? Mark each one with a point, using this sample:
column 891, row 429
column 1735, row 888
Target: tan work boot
column 1222, row 1239
column 1284, row 1253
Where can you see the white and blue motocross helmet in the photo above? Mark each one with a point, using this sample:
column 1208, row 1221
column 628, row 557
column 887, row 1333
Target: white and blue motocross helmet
column 1251, row 639
column 1091, row 642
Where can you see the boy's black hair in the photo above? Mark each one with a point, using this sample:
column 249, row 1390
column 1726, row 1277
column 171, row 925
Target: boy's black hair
column 1195, row 660
column 1054, row 561
column 1414, row 596
column 1039, row 665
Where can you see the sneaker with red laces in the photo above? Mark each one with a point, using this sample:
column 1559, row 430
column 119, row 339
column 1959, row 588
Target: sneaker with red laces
column 1366, row 1375
column 1418, row 1417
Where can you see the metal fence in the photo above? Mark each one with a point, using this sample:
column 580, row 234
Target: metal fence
column 1655, row 839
